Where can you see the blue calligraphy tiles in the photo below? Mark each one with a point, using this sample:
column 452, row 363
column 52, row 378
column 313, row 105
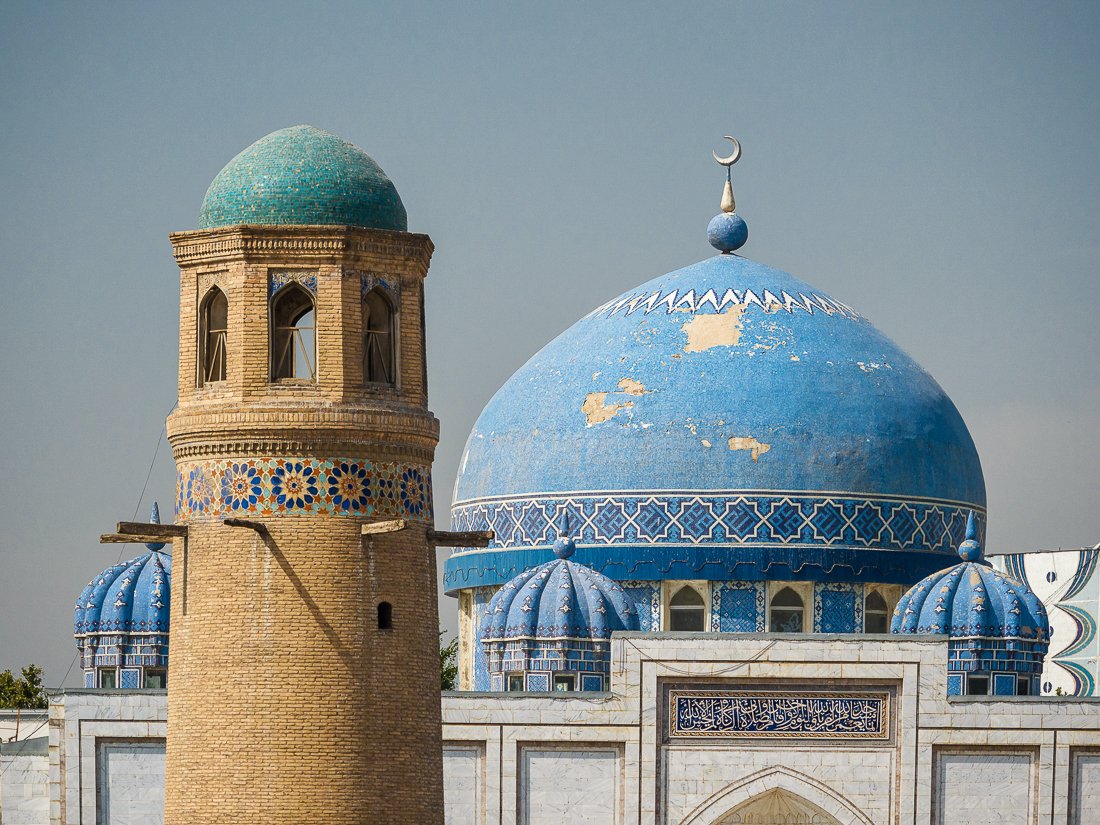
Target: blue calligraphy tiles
column 775, row 714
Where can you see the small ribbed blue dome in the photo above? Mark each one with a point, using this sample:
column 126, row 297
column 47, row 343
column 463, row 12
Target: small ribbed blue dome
column 997, row 628
column 303, row 176
column 972, row 599
column 132, row 597
column 559, row 599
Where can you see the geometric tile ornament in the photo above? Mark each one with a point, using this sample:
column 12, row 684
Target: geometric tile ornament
column 219, row 488
column 733, row 517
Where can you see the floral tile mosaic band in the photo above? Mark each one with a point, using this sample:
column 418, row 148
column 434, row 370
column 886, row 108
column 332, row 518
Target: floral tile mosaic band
column 223, row 488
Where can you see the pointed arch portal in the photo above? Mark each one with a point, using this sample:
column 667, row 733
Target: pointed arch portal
column 778, row 807
column 777, row 796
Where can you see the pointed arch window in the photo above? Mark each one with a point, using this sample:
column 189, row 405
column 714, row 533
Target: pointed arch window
column 787, row 612
column 379, row 339
column 214, row 320
column 686, row 610
column 293, row 338
column 876, row 615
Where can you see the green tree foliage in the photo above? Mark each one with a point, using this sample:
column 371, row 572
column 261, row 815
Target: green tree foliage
column 26, row 692
column 448, row 664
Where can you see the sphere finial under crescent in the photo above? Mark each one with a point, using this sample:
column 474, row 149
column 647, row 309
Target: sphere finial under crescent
column 733, row 157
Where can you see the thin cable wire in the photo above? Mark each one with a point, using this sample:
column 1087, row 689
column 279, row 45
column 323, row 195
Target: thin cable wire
column 137, row 508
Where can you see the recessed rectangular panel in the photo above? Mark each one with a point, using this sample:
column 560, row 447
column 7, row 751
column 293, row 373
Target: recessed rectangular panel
column 130, row 782
column 581, row 786
column 462, row 785
column 982, row 788
column 1085, row 788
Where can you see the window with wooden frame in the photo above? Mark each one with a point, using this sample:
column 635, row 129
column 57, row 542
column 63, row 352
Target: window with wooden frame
column 213, row 323
column 293, row 335
column 686, row 610
column 379, row 339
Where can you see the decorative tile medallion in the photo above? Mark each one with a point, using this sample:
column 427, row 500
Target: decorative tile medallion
column 778, row 714
column 721, row 517
column 284, row 486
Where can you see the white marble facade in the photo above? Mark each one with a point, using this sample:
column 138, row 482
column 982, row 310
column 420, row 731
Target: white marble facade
column 617, row 758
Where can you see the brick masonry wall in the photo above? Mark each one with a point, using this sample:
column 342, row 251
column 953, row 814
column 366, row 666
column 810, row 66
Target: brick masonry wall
column 287, row 703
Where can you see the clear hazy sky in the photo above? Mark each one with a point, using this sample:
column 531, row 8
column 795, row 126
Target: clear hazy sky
column 934, row 165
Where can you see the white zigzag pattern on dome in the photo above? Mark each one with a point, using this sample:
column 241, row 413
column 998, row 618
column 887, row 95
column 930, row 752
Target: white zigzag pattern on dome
column 673, row 301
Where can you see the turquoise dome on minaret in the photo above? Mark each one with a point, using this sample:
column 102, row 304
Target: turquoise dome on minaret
column 303, row 176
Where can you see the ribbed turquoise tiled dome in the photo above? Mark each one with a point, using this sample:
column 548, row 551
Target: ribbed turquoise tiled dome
column 302, row 176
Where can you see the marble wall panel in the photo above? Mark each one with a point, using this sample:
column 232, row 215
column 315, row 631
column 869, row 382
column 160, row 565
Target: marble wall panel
column 130, row 782
column 463, row 802
column 982, row 788
column 1085, row 788
column 581, row 786
column 24, row 789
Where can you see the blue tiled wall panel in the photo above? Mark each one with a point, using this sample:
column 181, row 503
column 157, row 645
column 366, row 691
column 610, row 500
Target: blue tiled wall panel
column 538, row 681
column 1004, row 684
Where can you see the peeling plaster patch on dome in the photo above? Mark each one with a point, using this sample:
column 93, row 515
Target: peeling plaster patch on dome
column 596, row 409
column 872, row 366
column 632, row 387
column 707, row 331
column 757, row 448
column 705, row 443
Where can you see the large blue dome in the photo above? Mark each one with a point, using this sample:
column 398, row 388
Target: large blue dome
column 724, row 421
column 303, row 175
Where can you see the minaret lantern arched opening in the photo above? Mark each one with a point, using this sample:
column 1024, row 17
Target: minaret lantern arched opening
column 214, row 316
column 293, row 339
column 379, row 339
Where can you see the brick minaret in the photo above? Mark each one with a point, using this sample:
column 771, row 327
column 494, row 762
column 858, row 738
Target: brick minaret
column 304, row 668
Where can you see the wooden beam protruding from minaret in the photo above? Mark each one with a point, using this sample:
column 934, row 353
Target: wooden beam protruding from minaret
column 380, row 527
column 139, row 532
column 470, row 538
column 245, row 523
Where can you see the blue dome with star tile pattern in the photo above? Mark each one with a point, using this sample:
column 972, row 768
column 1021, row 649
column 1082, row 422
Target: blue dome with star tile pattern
column 559, row 600
column 131, row 597
column 972, row 600
column 996, row 626
column 303, row 176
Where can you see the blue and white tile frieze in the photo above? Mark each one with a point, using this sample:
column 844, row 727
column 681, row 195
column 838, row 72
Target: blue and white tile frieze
column 720, row 517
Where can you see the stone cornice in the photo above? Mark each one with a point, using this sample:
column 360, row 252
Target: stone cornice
column 195, row 424
column 301, row 244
